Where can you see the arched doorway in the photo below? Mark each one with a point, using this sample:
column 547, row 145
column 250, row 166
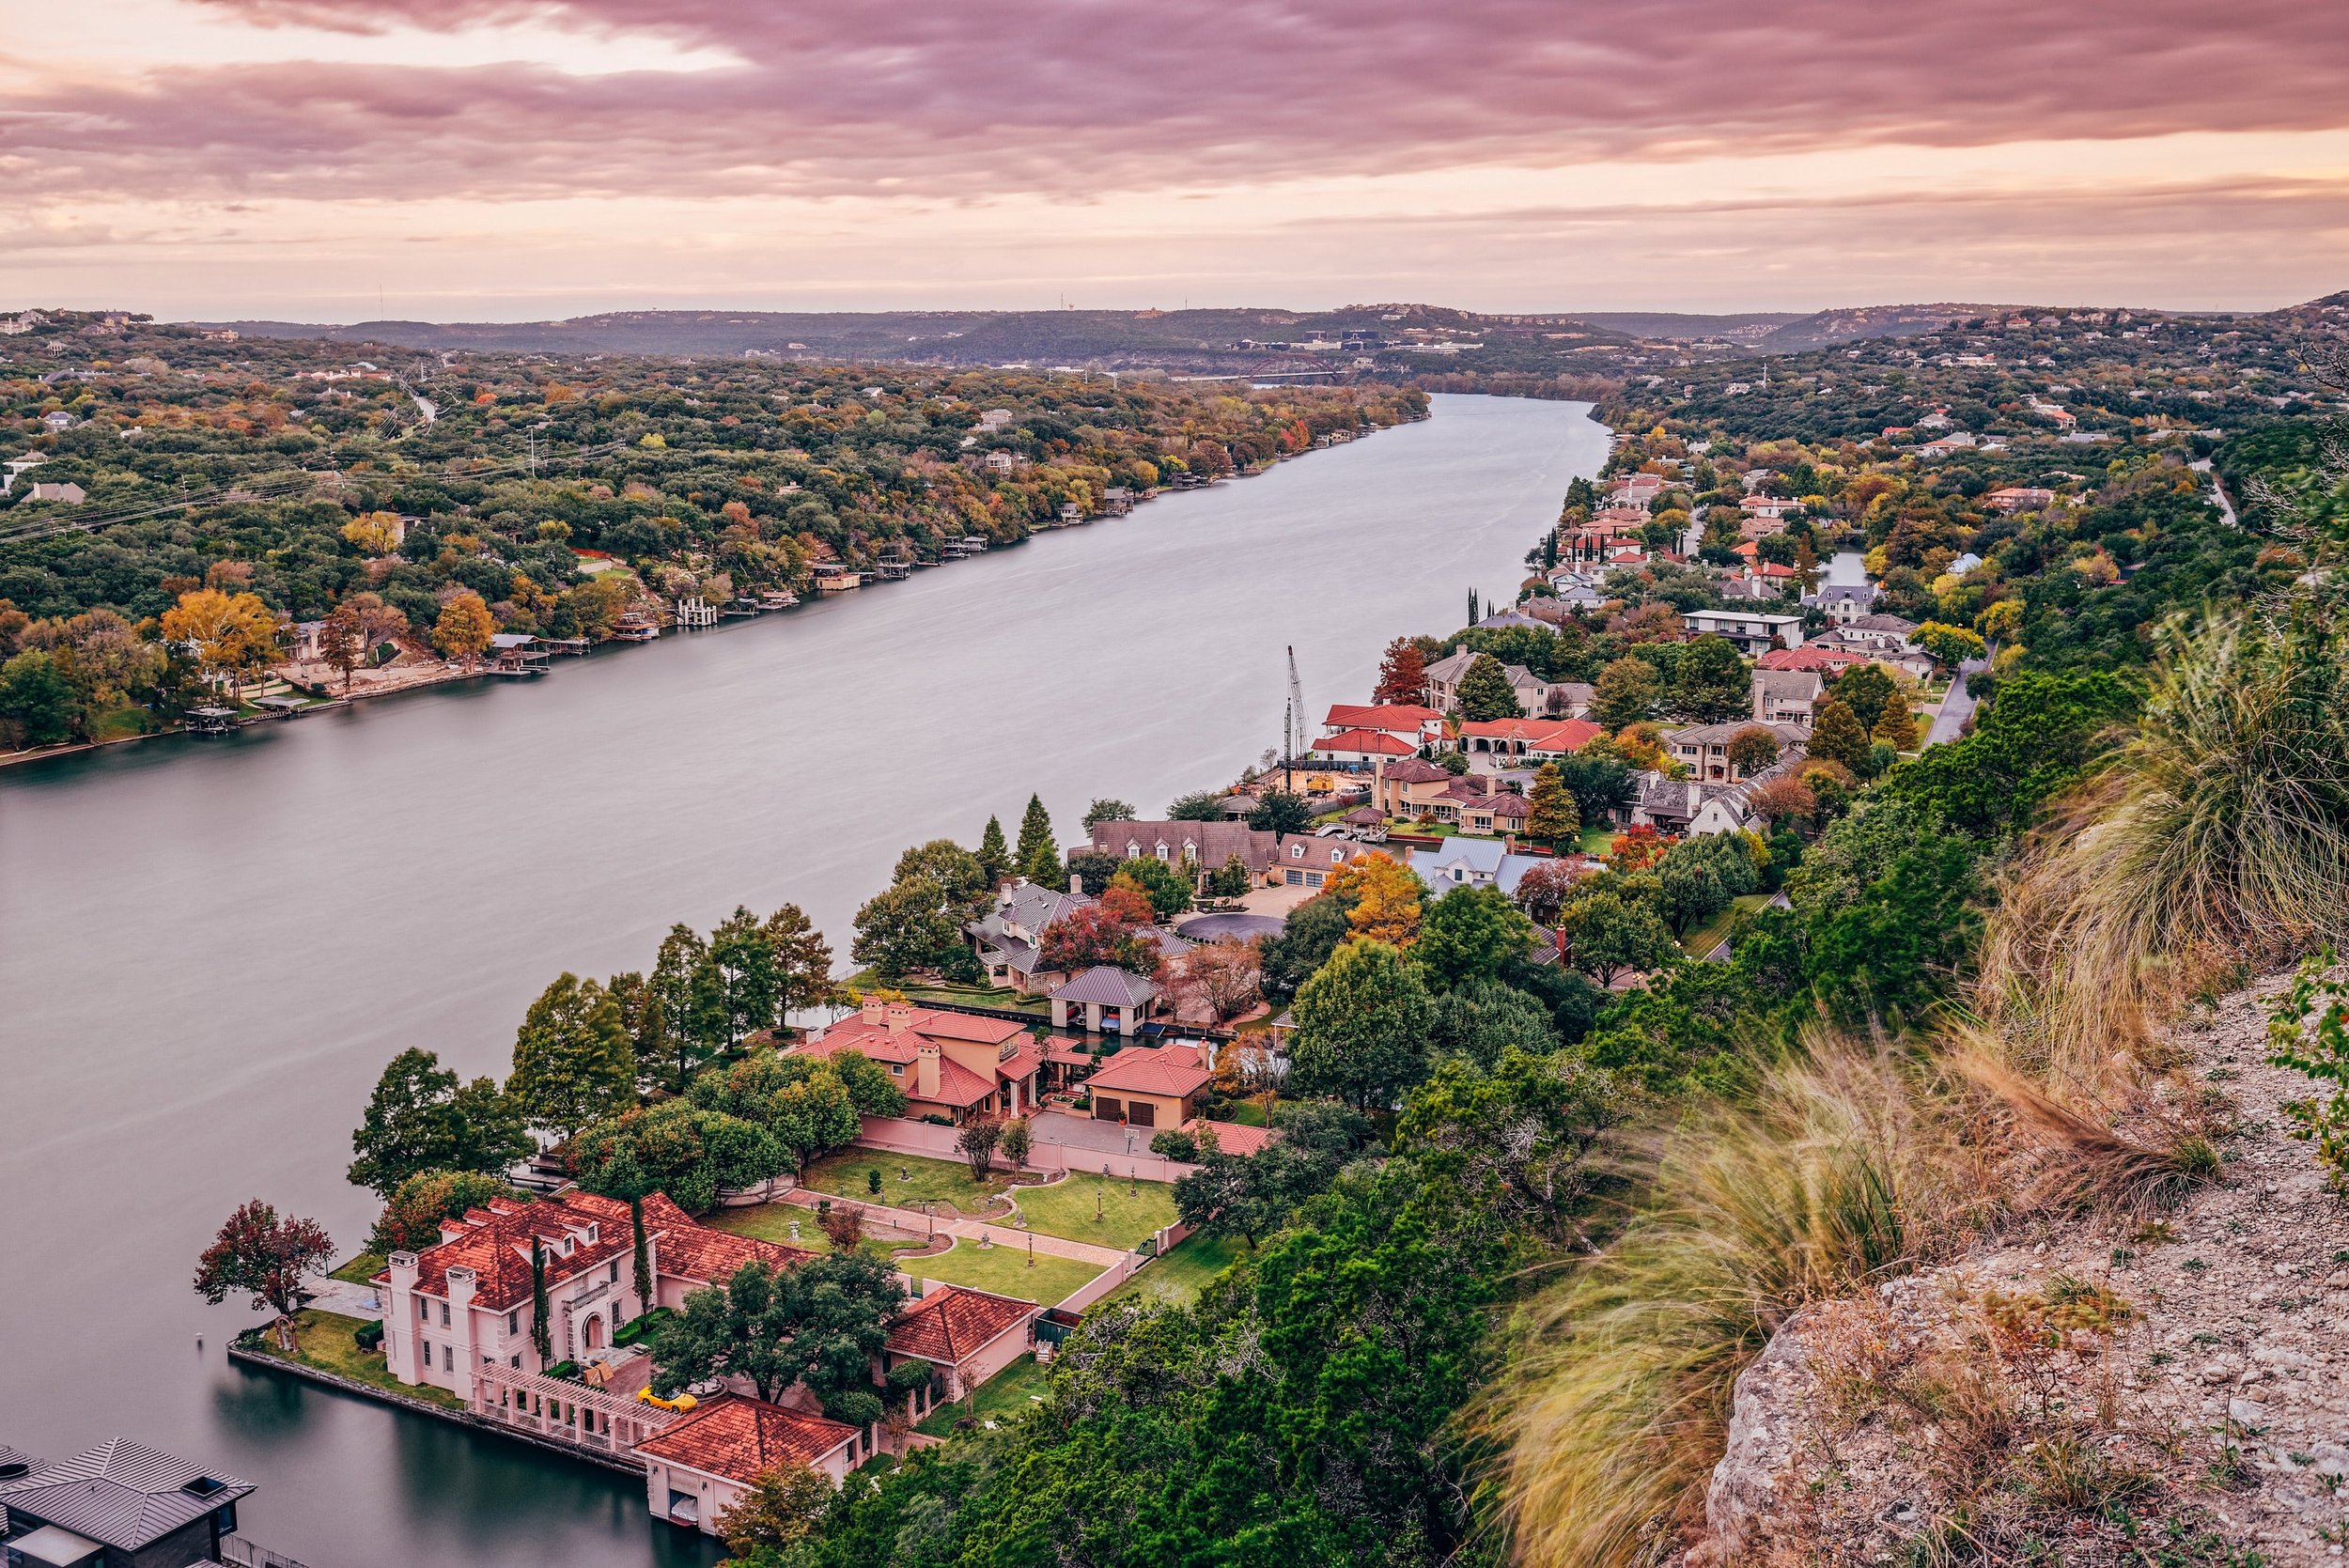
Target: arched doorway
column 591, row 1334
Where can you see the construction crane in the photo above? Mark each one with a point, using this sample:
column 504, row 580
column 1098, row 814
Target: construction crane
column 1292, row 726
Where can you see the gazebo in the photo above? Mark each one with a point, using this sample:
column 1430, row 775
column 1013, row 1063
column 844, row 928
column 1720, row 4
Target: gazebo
column 1104, row 1000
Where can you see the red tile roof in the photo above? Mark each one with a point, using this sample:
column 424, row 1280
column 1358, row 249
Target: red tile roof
column 1808, row 658
column 741, row 1439
column 958, row 1085
column 1549, row 735
column 954, row 1323
column 495, row 1244
column 1379, row 741
column 877, row 1040
column 1401, row 718
column 700, row 1254
column 1021, row 1063
column 1174, row 1071
column 1234, row 1138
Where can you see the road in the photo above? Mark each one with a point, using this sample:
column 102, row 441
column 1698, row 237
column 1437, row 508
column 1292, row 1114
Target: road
column 1956, row 707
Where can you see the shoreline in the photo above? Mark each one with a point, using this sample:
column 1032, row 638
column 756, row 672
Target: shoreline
column 18, row 759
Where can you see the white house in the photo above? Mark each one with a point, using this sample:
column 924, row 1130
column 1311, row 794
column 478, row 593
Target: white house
column 1754, row 632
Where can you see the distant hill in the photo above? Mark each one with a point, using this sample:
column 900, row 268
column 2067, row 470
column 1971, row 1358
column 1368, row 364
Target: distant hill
column 1683, row 327
column 1843, row 325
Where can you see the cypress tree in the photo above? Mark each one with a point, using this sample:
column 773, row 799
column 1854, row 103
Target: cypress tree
column 1473, row 616
column 644, row 1254
column 1038, row 856
column 541, row 1337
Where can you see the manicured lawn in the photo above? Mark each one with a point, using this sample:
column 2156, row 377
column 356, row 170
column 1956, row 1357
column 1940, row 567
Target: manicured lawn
column 359, row 1270
column 1132, row 1212
column 322, row 1340
column 1701, row 940
column 1005, row 1270
column 774, row 1221
column 1004, row 1397
column 1248, row 1113
column 943, row 1181
column 1177, row 1278
column 1598, row 841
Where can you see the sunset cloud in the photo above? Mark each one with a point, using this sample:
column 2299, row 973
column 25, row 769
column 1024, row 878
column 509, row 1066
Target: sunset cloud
column 881, row 117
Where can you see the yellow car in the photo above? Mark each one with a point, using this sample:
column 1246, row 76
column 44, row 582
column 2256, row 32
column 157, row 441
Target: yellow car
column 680, row 1404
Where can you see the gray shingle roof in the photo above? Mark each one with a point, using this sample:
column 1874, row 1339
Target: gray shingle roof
column 123, row 1493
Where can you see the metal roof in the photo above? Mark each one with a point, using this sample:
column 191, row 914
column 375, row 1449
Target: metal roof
column 1112, row 988
column 123, row 1493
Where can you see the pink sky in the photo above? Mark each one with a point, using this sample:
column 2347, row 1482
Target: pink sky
column 499, row 159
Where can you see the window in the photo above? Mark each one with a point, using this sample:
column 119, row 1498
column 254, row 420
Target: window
column 514, row 1321
column 424, row 1310
column 444, row 1314
column 897, row 1069
column 517, row 1360
column 425, row 1347
column 615, row 1271
column 448, row 1359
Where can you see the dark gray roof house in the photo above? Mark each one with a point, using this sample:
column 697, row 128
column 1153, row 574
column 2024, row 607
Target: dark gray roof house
column 122, row 1505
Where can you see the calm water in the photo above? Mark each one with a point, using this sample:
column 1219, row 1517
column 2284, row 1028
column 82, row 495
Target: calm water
column 208, row 949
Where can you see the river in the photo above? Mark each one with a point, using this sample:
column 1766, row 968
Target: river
column 209, row 948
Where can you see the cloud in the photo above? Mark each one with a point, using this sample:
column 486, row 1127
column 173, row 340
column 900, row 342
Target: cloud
column 1073, row 100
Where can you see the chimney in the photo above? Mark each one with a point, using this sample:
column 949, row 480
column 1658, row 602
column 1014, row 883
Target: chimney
column 1076, row 886
column 899, row 1016
column 872, row 1010
column 925, row 1070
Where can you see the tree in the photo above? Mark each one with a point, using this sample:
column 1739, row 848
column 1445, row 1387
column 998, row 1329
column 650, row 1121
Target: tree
column 738, row 1328
column 373, row 533
column 1384, row 898
column 1402, row 674
column 1481, row 1019
column 679, row 1147
column 1019, row 1138
column 665, row 1025
column 1038, row 856
column 1217, row 979
column 1167, row 890
column 1091, row 870
column 802, row 959
column 259, row 1253
column 1782, row 799
column 1106, row 811
column 841, row 1305
column 541, row 1319
column 573, row 1063
column 1553, row 817
column 1485, row 693
column 978, row 1140
column 1950, row 645
column 1607, row 934
column 750, row 983
column 1837, row 735
column 958, row 872
column 1117, row 930
column 640, row 1254
column 38, row 698
column 1281, row 811
column 1898, row 727
column 1751, row 749
column 1711, row 684
column 1702, row 875
column 1315, row 929
column 781, row 1508
column 909, row 926
column 1638, row 848
column 410, row 1219
column 420, row 1118
column 343, row 642
column 1231, row 879
column 1627, row 690
column 1865, row 689
column 232, row 633
column 1601, row 784
column 1545, row 888
column 1361, row 1027
column 994, row 855
column 466, row 628
column 1466, row 934
column 1204, row 805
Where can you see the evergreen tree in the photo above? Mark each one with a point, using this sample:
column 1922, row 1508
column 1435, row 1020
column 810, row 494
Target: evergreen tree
column 994, row 855
column 1712, row 684
column 573, row 1061
column 752, row 985
column 1864, row 689
column 1485, row 692
column 1554, row 816
column 1626, row 692
column 542, row 1336
column 1473, row 616
column 1836, row 736
column 1898, row 727
column 667, row 1014
column 643, row 1259
column 1038, row 857
column 1362, row 1028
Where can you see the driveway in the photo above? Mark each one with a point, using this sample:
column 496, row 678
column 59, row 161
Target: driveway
column 1060, row 1128
column 1956, row 707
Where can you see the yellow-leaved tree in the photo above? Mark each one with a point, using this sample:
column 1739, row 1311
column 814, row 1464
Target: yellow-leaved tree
column 373, row 533
column 464, row 628
column 231, row 633
column 1385, row 896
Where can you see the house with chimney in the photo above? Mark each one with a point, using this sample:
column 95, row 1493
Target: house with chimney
column 1445, row 675
column 1009, row 937
column 1410, row 723
column 1197, row 847
column 960, row 1067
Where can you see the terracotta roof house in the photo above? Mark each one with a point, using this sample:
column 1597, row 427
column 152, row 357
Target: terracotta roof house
column 1235, row 1137
column 1811, row 655
column 1536, row 738
column 957, row 1066
column 1361, row 747
column 119, row 1505
column 698, row 1467
column 965, row 1335
column 464, row 1303
column 1405, row 788
column 1151, row 1086
column 1104, row 1000
column 1407, row 722
column 1200, row 846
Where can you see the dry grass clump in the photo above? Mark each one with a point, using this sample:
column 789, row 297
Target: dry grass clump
column 1843, row 1173
column 2218, row 833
